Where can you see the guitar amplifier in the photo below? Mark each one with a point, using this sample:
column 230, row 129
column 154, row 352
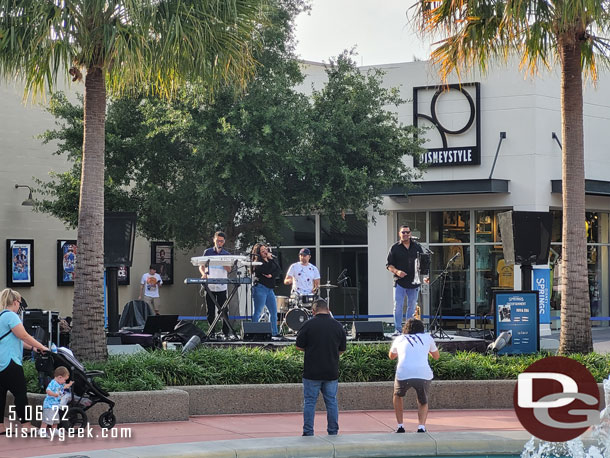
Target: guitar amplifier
column 47, row 320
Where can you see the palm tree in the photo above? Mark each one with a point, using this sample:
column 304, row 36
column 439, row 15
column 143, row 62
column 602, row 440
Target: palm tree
column 540, row 32
column 149, row 45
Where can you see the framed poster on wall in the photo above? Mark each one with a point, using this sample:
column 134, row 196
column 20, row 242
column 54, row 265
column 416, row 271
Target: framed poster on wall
column 123, row 274
column 66, row 261
column 162, row 255
column 19, row 262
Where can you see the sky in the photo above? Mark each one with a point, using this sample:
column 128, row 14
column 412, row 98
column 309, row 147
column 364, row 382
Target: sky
column 378, row 28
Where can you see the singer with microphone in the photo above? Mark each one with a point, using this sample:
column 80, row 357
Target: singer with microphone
column 264, row 283
column 402, row 263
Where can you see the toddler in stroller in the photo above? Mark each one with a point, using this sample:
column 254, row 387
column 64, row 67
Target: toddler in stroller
column 85, row 391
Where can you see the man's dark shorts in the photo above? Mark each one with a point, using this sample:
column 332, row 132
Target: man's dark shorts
column 420, row 386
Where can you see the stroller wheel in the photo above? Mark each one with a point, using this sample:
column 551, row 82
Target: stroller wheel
column 76, row 418
column 107, row 420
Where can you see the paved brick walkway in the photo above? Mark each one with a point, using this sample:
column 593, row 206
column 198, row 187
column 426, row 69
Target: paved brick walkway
column 232, row 427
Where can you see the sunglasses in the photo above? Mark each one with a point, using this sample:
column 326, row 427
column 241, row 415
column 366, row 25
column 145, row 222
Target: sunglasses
column 405, row 232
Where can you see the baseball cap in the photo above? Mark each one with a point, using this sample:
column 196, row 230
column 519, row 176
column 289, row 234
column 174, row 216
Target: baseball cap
column 305, row 251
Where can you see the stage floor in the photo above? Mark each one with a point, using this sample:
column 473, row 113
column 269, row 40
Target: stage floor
column 449, row 342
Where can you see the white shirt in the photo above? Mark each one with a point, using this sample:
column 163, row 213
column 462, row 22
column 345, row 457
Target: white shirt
column 412, row 351
column 216, row 271
column 151, row 287
column 303, row 277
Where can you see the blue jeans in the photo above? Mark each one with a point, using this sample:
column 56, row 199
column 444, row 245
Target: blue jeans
column 399, row 301
column 265, row 296
column 311, row 390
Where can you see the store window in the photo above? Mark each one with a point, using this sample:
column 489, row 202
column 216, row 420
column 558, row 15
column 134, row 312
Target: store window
column 450, row 227
column 351, row 231
column 453, row 295
column 342, row 261
column 486, row 226
column 299, row 231
column 597, row 229
column 416, row 221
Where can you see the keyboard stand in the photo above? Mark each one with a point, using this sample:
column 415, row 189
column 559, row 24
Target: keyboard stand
column 222, row 310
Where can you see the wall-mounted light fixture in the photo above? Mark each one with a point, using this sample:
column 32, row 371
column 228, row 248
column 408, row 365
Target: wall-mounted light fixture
column 29, row 202
column 556, row 138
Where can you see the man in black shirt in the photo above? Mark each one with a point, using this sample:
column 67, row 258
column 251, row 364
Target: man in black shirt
column 401, row 262
column 322, row 339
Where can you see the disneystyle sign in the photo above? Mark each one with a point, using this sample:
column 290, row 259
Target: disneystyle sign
column 452, row 112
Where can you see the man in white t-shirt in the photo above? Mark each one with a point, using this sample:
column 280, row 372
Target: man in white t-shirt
column 149, row 288
column 412, row 348
column 303, row 276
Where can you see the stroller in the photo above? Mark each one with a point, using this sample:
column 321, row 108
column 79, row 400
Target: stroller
column 85, row 391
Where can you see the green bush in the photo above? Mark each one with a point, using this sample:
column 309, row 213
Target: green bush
column 233, row 366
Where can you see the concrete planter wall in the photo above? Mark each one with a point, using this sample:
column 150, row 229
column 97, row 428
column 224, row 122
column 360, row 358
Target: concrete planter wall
column 177, row 403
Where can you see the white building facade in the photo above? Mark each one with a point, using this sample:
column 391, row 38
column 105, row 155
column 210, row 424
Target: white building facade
column 503, row 154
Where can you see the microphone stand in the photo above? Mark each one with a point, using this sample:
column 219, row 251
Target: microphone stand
column 436, row 322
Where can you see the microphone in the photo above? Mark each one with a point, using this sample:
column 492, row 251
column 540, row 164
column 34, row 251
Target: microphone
column 342, row 274
column 455, row 256
column 414, row 237
column 192, row 343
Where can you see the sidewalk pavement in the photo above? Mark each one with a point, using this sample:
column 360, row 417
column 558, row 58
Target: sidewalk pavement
column 232, row 427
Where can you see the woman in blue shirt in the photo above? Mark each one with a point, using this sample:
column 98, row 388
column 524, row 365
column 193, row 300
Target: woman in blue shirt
column 13, row 338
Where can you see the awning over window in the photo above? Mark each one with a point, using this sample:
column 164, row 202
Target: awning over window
column 432, row 188
column 592, row 187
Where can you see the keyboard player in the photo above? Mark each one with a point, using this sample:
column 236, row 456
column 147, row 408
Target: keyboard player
column 218, row 291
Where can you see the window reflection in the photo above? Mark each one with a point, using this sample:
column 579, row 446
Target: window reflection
column 456, row 293
column 416, row 221
column 450, row 227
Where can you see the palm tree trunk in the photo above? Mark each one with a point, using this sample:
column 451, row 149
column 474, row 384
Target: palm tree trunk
column 575, row 312
column 89, row 340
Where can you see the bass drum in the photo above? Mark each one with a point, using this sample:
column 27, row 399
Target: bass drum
column 295, row 318
column 283, row 305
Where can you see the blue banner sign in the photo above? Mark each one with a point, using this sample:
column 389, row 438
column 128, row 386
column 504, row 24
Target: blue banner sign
column 542, row 283
column 517, row 314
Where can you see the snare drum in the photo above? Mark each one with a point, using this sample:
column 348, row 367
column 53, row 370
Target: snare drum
column 296, row 317
column 307, row 300
column 283, row 304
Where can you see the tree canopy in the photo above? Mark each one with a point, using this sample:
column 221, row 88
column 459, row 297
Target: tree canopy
column 244, row 160
column 119, row 45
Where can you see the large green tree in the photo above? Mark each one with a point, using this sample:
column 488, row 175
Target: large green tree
column 243, row 161
column 572, row 33
column 118, row 44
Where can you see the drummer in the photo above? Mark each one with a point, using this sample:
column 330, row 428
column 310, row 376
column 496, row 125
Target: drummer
column 303, row 276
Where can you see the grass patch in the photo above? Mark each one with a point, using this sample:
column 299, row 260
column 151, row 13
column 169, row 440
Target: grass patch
column 233, row 366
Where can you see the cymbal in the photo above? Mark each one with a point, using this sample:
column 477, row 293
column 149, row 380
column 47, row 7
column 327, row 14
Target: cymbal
column 328, row 286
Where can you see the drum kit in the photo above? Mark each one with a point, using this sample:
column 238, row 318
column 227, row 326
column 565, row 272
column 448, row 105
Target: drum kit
column 297, row 308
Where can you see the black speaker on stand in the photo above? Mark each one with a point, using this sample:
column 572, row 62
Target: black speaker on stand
column 526, row 240
column 119, row 239
column 46, row 320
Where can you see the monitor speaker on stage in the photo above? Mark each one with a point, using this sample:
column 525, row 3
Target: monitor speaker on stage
column 368, row 330
column 255, row 332
column 526, row 236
